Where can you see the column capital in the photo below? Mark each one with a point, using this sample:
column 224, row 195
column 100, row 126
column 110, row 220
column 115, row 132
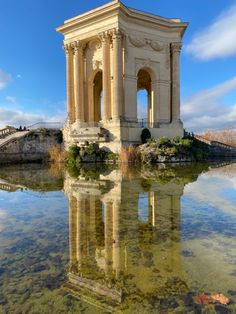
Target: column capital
column 116, row 34
column 68, row 48
column 105, row 37
column 176, row 47
column 77, row 45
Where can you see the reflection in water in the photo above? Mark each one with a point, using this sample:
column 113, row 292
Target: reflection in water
column 143, row 240
column 125, row 244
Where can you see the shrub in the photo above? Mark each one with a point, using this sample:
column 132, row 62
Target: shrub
column 186, row 142
column 145, row 135
column 78, row 161
column 56, row 154
column 71, row 154
column 130, row 155
column 92, row 149
column 177, row 140
column 44, row 131
column 164, row 141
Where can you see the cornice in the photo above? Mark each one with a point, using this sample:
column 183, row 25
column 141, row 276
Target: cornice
column 115, row 8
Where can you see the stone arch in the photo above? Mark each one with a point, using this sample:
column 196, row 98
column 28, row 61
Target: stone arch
column 145, row 79
column 95, row 96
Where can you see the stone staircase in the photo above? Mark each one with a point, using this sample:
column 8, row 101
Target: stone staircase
column 11, row 136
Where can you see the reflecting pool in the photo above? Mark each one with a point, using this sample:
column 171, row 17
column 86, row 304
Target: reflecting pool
column 104, row 239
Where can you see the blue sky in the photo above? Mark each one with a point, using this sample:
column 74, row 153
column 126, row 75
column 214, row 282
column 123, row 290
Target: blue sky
column 32, row 63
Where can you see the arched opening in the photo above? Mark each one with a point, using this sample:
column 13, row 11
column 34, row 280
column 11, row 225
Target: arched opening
column 144, row 99
column 97, row 97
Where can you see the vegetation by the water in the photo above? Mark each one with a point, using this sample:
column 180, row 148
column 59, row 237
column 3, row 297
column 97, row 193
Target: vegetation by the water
column 154, row 151
column 169, row 150
column 89, row 153
column 56, row 154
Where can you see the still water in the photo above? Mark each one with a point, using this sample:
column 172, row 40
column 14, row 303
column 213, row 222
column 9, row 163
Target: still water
column 110, row 240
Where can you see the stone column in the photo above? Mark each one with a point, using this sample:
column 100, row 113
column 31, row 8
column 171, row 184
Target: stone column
column 106, row 75
column 108, row 229
column 116, row 238
column 175, row 51
column 69, row 81
column 117, row 75
column 79, row 82
column 73, row 231
column 80, row 208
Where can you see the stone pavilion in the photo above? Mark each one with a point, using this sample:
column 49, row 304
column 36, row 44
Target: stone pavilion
column 112, row 52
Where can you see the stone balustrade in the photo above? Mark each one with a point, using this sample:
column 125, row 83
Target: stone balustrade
column 7, row 131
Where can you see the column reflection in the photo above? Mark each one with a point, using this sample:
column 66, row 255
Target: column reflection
column 125, row 236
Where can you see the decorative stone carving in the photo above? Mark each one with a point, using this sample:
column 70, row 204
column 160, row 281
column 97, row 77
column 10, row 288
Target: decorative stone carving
column 97, row 65
column 116, row 34
column 105, row 36
column 142, row 42
column 94, row 44
column 176, row 47
column 156, row 46
column 137, row 42
column 68, row 48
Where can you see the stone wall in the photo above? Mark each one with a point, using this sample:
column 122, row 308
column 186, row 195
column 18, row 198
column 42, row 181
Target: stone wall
column 33, row 146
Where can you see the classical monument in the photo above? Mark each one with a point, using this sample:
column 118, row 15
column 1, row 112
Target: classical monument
column 112, row 52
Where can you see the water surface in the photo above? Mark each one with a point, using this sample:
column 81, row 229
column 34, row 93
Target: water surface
column 104, row 239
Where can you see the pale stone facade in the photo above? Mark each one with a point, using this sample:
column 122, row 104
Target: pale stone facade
column 111, row 53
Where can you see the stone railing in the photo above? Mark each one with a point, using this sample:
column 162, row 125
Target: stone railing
column 218, row 149
column 7, row 131
column 45, row 125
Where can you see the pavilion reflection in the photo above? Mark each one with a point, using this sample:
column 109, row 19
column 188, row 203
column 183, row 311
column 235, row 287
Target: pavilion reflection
column 125, row 234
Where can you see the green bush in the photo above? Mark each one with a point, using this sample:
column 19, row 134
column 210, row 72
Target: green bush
column 177, row 140
column 92, row 149
column 78, row 161
column 164, row 141
column 145, row 135
column 73, row 151
column 186, row 142
column 72, row 154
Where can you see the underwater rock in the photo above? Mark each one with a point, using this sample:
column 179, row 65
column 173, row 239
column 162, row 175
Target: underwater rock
column 187, row 253
column 222, row 310
column 232, row 292
column 40, row 267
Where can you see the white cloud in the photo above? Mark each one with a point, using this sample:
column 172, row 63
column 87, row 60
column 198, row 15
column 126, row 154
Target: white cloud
column 205, row 110
column 17, row 118
column 11, row 99
column 4, row 79
column 215, row 182
column 217, row 40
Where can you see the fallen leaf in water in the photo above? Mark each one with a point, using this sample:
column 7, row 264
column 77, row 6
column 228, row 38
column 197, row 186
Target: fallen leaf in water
column 202, row 298
column 220, row 298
